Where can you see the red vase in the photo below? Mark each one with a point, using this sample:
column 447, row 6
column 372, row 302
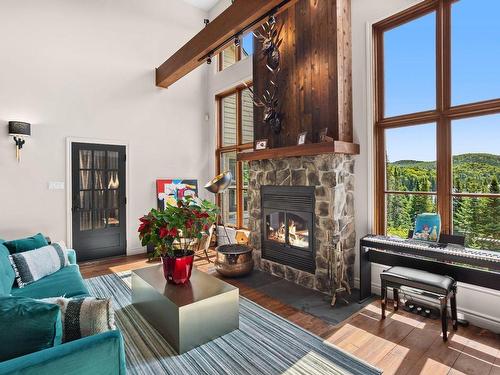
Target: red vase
column 177, row 270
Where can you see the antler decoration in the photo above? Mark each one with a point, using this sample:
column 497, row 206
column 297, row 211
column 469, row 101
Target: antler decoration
column 270, row 37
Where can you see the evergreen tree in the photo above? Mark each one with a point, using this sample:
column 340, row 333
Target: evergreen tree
column 421, row 203
column 489, row 216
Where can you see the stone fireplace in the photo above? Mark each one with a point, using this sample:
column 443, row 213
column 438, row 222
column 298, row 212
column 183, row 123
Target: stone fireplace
column 295, row 203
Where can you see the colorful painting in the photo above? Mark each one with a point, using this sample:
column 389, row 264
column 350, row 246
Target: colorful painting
column 427, row 227
column 171, row 190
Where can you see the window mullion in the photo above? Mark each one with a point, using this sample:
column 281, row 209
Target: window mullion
column 443, row 135
column 239, row 195
column 444, row 166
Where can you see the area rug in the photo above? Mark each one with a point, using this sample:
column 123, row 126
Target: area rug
column 265, row 343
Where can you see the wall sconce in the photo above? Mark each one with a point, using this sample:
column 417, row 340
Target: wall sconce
column 19, row 130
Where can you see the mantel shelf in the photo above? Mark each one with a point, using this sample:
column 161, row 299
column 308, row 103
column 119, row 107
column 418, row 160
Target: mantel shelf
column 310, row 149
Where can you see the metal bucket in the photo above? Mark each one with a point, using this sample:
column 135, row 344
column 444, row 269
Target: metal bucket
column 234, row 260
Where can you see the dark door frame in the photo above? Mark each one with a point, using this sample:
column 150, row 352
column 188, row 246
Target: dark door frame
column 69, row 184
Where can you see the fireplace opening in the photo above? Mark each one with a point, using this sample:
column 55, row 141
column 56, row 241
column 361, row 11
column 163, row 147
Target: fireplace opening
column 288, row 217
column 288, row 228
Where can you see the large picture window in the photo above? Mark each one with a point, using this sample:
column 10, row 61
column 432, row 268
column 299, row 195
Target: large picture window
column 235, row 133
column 437, row 119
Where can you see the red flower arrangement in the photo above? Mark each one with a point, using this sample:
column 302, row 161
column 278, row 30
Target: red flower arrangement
column 173, row 230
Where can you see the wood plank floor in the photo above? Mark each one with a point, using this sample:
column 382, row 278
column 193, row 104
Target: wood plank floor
column 401, row 344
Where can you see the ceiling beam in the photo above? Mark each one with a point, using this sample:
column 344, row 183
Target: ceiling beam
column 212, row 38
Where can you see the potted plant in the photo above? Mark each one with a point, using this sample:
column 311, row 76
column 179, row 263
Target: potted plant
column 173, row 232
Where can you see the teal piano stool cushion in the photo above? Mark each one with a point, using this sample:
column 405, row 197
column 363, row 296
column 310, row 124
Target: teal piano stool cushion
column 7, row 274
column 25, row 244
column 27, row 326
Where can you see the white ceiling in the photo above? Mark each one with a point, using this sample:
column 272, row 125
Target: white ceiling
column 203, row 4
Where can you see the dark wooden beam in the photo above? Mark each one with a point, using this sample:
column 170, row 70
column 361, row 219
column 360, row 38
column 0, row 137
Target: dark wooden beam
column 214, row 37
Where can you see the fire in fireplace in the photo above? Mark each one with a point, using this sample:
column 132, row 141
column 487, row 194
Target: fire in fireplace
column 288, row 215
column 294, row 233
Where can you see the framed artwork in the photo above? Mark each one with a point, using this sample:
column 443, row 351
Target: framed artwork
column 168, row 191
column 261, row 144
column 427, row 227
column 301, row 139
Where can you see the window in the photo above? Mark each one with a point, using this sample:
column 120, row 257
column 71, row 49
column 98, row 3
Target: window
column 232, row 54
column 235, row 129
column 409, row 66
column 437, row 119
column 410, row 175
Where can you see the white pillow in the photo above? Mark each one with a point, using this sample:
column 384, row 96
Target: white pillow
column 32, row 265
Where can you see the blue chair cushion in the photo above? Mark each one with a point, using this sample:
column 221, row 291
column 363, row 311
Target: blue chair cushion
column 27, row 326
column 7, row 274
column 67, row 282
column 25, row 244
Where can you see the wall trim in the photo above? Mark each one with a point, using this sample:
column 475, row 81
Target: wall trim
column 69, row 185
column 370, row 147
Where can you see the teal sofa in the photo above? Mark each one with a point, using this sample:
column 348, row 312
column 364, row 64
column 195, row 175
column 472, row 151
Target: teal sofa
column 98, row 354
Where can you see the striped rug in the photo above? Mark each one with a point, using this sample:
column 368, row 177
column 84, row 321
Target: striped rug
column 264, row 344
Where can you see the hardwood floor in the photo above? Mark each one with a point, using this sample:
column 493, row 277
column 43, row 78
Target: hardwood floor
column 403, row 343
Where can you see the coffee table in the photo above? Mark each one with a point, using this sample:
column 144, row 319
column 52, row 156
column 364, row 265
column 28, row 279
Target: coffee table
column 186, row 315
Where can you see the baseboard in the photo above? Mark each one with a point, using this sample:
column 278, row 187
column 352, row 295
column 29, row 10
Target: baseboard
column 140, row 250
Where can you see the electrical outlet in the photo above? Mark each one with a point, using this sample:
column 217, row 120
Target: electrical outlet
column 56, row 185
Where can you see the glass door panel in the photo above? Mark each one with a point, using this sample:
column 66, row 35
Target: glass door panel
column 98, row 200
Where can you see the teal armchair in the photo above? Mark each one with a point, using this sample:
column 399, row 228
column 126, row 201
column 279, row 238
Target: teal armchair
column 94, row 355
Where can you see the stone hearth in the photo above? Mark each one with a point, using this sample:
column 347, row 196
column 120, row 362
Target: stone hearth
column 333, row 177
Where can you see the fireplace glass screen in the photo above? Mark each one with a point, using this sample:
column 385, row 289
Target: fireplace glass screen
column 275, row 223
column 287, row 228
column 298, row 231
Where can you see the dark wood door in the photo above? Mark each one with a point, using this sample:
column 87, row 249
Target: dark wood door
column 99, row 201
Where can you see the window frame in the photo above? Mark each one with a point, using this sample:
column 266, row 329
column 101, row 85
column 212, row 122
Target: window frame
column 239, row 53
column 442, row 115
column 220, row 57
column 238, row 147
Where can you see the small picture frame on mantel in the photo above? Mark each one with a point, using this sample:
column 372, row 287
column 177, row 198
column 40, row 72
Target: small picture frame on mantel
column 260, row 144
column 323, row 136
column 301, row 139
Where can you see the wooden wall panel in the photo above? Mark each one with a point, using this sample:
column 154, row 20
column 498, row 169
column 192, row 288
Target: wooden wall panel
column 315, row 89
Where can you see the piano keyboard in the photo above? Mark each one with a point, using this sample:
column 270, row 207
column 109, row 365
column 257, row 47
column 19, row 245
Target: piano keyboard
column 442, row 252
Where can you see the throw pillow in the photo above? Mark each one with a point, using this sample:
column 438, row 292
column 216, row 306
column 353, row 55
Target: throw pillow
column 7, row 275
column 82, row 317
column 30, row 266
column 26, row 244
column 27, row 326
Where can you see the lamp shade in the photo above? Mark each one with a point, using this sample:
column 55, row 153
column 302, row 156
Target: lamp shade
column 219, row 183
column 19, row 129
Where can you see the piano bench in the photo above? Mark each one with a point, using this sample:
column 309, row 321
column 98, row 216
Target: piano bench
column 443, row 287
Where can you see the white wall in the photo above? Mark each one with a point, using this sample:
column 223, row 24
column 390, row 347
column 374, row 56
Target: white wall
column 78, row 68
column 479, row 305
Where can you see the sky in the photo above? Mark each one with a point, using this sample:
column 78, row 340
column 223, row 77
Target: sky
column 410, row 79
column 247, row 44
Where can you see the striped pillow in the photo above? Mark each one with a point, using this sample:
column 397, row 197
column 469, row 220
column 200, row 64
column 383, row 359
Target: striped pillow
column 82, row 317
column 32, row 265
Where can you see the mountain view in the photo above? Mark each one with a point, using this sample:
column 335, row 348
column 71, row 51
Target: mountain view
column 478, row 218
